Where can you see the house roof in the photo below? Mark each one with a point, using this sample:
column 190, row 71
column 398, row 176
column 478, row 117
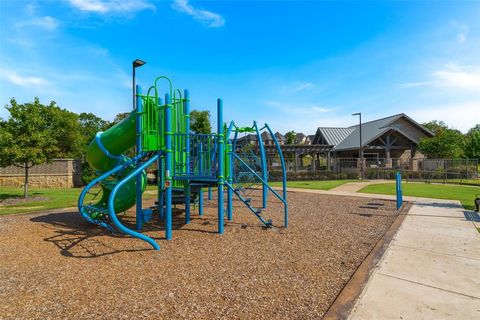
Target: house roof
column 279, row 136
column 266, row 136
column 334, row 136
column 373, row 129
column 300, row 136
column 348, row 138
column 248, row 137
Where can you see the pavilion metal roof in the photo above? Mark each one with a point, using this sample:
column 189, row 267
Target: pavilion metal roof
column 348, row 138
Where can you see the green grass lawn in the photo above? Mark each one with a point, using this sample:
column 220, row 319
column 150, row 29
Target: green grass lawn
column 317, row 185
column 466, row 194
column 473, row 182
column 57, row 198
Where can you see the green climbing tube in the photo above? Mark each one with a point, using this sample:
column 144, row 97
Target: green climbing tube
column 104, row 153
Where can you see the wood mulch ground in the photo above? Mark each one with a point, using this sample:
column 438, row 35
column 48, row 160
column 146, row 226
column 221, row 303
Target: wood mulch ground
column 56, row 266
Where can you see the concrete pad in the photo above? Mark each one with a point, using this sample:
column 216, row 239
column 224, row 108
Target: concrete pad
column 430, row 270
column 463, row 241
column 392, row 298
column 453, row 226
column 437, row 208
column 438, row 270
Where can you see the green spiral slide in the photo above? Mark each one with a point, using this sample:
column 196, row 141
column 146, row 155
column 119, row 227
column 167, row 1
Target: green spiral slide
column 106, row 152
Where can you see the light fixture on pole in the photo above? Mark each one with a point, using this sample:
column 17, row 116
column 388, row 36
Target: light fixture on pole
column 135, row 64
column 360, row 148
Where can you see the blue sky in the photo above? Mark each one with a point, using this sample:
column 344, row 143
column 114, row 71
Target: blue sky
column 296, row 65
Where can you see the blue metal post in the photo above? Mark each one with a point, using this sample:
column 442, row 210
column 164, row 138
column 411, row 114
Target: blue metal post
column 264, row 165
column 209, row 193
column 187, row 155
column 220, row 173
column 398, row 180
column 200, row 202
column 160, row 167
column 284, row 174
column 230, row 181
column 168, row 167
column 200, row 172
column 138, row 144
column 230, row 152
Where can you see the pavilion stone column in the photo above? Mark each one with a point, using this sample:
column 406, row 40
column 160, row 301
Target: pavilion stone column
column 388, row 160
column 328, row 161
column 413, row 163
column 296, row 162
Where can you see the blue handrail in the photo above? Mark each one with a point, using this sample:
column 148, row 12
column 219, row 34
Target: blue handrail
column 263, row 181
column 111, row 209
column 97, row 180
column 284, row 172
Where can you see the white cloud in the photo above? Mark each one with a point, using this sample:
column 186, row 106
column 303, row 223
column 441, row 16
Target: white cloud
column 452, row 76
column 414, row 84
column 46, row 22
column 461, row 29
column 211, row 19
column 111, row 6
column 22, row 80
column 461, row 115
column 298, row 87
column 456, row 76
column 298, row 109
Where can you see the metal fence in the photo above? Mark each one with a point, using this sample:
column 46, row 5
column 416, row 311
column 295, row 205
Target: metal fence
column 443, row 170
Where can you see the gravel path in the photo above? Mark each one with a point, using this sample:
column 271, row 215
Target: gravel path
column 56, row 266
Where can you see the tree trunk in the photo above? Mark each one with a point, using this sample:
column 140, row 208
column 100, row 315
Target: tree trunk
column 25, row 189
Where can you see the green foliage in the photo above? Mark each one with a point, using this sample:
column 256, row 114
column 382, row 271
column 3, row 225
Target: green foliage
column 472, row 145
column 28, row 138
column 90, row 124
column 65, row 130
column 200, row 121
column 447, row 143
column 476, row 128
column 119, row 117
column 290, row 137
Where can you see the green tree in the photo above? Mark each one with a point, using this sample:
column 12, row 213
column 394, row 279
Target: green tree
column 26, row 138
column 200, row 121
column 447, row 143
column 290, row 137
column 120, row 117
column 65, row 129
column 472, row 144
column 90, row 124
column 476, row 128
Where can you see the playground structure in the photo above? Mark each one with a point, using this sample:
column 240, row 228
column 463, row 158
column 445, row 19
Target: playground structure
column 187, row 163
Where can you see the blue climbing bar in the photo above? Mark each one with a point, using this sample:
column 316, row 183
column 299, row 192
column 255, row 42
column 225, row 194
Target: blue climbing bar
column 220, row 173
column 168, row 168
column 187, row 154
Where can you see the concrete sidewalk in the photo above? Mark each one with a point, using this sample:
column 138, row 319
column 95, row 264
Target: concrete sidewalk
column 431, row 269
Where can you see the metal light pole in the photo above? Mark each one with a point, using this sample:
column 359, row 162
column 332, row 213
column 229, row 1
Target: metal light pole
column 138, row 147
column 360, row 148
column 135, row 64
